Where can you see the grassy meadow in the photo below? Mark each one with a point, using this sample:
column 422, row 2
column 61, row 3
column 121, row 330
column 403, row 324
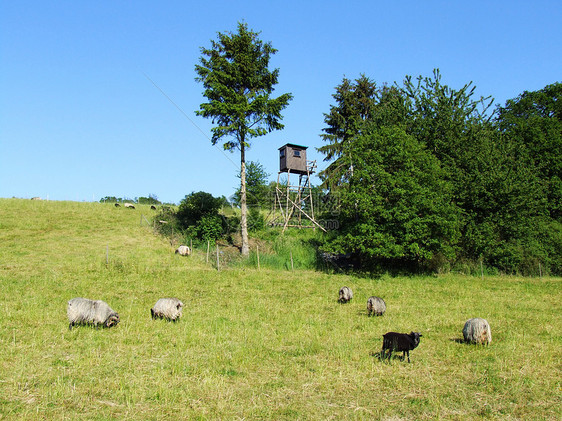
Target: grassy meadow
column 268, row 344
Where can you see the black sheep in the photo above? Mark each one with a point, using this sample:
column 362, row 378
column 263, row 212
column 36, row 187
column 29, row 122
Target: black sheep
column 404, row 342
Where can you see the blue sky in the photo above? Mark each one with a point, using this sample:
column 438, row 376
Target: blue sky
column 79, row 119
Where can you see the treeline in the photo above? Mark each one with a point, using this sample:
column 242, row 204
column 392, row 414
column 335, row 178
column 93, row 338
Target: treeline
column 431, row 178
column 150, row 200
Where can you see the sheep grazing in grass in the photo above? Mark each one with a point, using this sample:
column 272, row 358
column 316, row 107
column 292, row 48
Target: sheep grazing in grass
column 152, row 207
column 117, row 205
column 404, row 342
column 129, row 205
column 376, row 306
column 477, row 331
column 183, row 251
column 94, row 312
column 346, row 294
column 167, row 308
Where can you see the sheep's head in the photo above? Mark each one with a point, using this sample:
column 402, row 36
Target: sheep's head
column 416, row 337
column 112, row 320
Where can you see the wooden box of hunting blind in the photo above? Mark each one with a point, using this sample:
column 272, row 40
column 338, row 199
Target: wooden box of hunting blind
column 292, row 158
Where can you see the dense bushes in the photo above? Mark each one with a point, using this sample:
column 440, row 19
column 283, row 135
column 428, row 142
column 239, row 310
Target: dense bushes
column 428, row 179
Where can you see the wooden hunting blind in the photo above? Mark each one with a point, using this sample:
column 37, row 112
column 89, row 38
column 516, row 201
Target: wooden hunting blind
column 292, row 158
column 294, row 205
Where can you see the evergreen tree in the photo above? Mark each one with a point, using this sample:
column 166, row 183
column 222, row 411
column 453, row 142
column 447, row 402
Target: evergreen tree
column 239, row 87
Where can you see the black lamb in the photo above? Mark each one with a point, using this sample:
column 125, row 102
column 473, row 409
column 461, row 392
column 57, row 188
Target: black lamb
column 404, row 342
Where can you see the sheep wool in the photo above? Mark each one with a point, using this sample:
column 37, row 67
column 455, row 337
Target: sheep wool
column 376, row 306
column 477, row 331
column 183, row 251
column 94, row 312
column 346, row 294
column 167, row 308
column 404, row 342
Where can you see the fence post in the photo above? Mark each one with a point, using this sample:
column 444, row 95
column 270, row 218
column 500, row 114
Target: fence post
column 208, row 246
column 292, row 267
column 218, row 260
column 258, row 254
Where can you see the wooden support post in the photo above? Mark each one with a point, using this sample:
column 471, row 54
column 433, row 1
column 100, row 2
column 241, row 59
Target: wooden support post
column 258, row 255
column 218, row 260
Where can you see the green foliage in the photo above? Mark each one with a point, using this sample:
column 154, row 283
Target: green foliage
column 152, row 199
column 239, row 85
column 195, row 206
column 258, row 192
column 533, row 122
column 209, row 227
column 398, row 206
column 256, row 219
column 426, row 176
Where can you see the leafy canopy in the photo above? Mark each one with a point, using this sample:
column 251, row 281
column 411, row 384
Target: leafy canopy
column 239, row 86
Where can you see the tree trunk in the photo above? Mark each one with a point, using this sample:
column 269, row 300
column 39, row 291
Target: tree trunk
column 243, row 208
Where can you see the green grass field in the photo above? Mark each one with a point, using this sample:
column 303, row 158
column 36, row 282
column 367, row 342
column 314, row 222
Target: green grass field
column 253, row 344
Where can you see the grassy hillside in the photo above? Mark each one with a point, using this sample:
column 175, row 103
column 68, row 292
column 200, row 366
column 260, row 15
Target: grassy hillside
column 252, row 344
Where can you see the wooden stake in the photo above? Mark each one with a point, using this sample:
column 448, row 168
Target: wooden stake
column 218, row 260
column 258, row 254
column 540, row 270
column 292, row 267
column 208, row 245
column 481, row 270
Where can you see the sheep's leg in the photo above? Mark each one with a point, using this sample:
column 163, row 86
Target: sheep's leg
column 70, row 325
column 408, row 352
column 389, row 354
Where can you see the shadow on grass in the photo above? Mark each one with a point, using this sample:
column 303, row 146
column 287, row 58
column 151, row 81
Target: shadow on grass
column 379, row 355
column 464, row 342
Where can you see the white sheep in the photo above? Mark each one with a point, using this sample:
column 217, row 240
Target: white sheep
column 376, row 306
column 95, row 312
column 167, row 308
column 346, row 294
column 477, row 331
column 183, row 251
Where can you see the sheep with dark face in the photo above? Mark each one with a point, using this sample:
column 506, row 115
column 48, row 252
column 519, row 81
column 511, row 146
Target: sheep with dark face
column 183, row 251
column 129, row 206
column 376, row 306
column 94, row 312
column 404, row 342
column 477, row 331
column 346, row 294
column 167, row 308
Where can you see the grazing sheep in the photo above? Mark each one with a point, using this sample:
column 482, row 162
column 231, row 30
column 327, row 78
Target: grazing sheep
column 152, row 207
column 376, row 306
column 400, row 342
column 129, row 205
column 477, row 331
column 117, row 205
column 84, row 311
column 346, row 294
column 167, row 308
column 183, row 251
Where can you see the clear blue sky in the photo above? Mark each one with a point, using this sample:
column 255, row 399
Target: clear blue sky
column 79, row 119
